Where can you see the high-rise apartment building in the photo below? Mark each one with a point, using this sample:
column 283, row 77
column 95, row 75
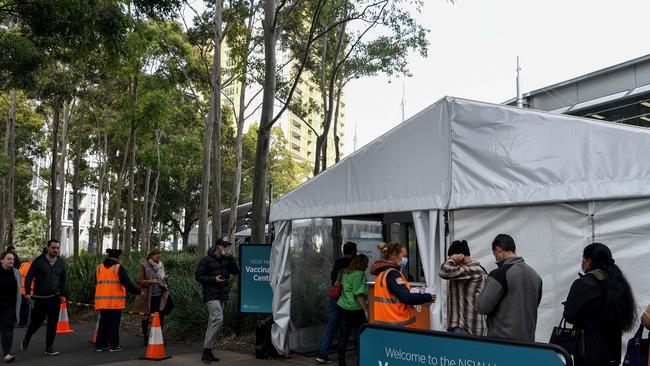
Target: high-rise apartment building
column 87, row 206
column 298, row 130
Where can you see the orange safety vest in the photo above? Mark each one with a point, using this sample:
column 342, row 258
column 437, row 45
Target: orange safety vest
column 109, row 293
column 24, row 268
column 387, row 308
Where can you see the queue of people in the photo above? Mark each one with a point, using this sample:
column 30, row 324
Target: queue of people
column 600, row 303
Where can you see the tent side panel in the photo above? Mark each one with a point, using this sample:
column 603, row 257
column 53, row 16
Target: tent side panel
column 550, row 238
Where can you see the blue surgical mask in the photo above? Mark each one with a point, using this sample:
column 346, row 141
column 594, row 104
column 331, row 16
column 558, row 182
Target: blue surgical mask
column 404, row 262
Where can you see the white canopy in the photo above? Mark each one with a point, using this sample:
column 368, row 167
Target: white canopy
column 459, row 153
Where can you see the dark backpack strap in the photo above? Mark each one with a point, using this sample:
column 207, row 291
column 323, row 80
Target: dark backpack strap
column 499, row 274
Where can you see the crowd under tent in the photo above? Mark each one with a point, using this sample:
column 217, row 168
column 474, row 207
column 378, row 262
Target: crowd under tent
column 469, row 170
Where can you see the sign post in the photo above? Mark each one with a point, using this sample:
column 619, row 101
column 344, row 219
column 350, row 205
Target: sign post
column 255, row 293
column 389, row 346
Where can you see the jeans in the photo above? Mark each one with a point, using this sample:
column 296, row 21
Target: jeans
column 24, row 313
column 108, row 334
column 7, row 322
column 328, row 334
column 215, row 322
column 47, row 307
column 351, row 321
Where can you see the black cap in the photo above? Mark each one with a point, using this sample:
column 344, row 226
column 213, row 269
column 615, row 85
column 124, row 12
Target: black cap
column 458, row 247
column 223, row 243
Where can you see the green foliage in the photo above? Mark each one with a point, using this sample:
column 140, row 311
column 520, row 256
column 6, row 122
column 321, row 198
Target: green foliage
column 30, row 233
column 284, row 172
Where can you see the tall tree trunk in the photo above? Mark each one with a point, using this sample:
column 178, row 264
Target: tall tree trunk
column 326, row 107
column 128, row 223
column 118, row 189
column 337, row 139
column 216, row 121
column 261, row 170
column 236, row 184
column 154, row 196
column 10, row 149
column 75, row 188
column 241, row 119
column 99, row 221
column 67, row 114
column 144, row 209
column 202, row 245
column 54, row 215
column 323, row 140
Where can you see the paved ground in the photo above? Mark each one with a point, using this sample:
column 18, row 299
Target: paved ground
column 76, row 349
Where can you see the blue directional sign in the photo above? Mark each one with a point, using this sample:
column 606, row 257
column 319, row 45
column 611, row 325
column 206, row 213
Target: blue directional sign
column 255, row 294
column 387, row 346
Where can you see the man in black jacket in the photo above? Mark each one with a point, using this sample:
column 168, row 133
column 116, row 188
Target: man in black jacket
column 48, row 271
column 213, row 273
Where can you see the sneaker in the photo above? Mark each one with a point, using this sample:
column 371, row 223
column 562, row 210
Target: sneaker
column 323, row 360
column 10, row 358
column 101, row 349
column 208, row 356
column 49, row 351
column 25, row 343
column 116, row 349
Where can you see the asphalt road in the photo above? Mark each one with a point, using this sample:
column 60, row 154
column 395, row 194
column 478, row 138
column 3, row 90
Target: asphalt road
column 76, row 350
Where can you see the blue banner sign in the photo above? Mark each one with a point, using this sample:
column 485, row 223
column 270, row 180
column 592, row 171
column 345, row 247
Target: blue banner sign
column 255, row 294
column 387, row 346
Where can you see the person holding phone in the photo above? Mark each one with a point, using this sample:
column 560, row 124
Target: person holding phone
column 213, row 273
column 152, row 280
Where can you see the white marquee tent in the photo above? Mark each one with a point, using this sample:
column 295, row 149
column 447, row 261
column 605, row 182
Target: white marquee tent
column 554, row 182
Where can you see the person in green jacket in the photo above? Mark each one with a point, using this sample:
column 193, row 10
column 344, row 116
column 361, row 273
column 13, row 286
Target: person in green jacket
column 353, row 303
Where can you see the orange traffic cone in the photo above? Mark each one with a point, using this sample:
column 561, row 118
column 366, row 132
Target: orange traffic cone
column 156, row 346
column 96, row 329
column 63, row 326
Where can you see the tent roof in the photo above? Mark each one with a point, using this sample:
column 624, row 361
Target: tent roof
column 459, row 153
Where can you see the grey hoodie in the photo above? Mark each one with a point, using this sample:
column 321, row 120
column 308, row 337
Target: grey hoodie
column 510, row 299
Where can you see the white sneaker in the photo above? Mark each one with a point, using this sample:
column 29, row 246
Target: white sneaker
column 9, row 358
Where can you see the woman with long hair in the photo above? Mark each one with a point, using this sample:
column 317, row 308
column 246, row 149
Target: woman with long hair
column 601, row 306
column 352, row 305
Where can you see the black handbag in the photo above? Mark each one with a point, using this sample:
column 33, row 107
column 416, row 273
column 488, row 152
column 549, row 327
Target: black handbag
column 637, row 350
column 565, row 337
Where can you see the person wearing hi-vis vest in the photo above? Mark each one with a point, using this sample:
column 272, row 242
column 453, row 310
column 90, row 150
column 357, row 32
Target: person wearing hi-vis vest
column 112, row 283
column 24, row 304
column 393, row 299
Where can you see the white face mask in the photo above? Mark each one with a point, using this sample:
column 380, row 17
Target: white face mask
column 404, row 262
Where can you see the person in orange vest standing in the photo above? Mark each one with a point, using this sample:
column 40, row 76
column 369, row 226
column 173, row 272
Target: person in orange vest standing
column 111, row 284
column 394, row 303
column 24, row 304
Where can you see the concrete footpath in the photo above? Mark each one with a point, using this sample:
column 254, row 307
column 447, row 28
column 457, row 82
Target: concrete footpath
column 76, row 349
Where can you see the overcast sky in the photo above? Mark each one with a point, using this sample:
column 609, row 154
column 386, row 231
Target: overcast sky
column 473, row 50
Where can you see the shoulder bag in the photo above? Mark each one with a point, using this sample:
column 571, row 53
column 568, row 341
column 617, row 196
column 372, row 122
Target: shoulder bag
column 637, row 350
column 565, row 337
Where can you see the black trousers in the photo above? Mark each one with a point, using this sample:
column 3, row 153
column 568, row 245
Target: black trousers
column 24, row 313
column 153, row 307
column 44, row 308
column 108, row 334
column 351, row 321
column 7, row 323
